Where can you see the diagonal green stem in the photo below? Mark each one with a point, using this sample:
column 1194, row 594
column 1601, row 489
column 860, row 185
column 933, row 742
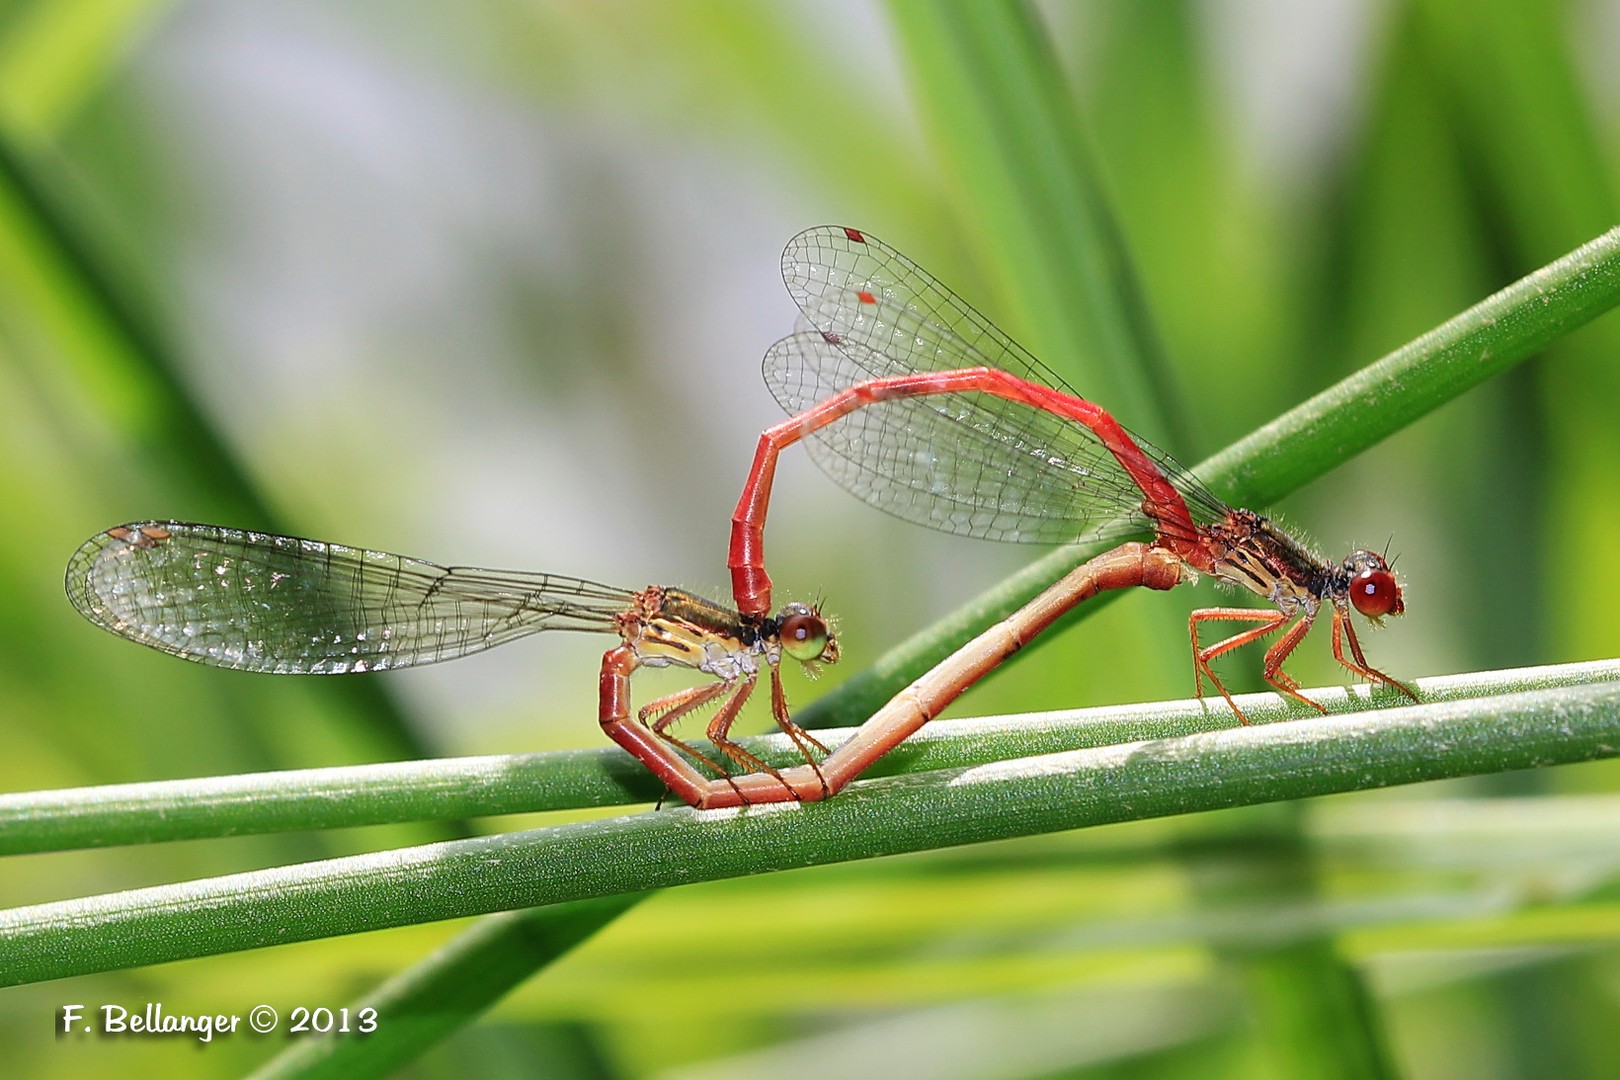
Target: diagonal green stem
column 450, row 989
column 124, row 365
column 1301, row 445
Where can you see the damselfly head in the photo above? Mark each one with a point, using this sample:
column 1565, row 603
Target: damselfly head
column 805, row 635
column 1373, row 589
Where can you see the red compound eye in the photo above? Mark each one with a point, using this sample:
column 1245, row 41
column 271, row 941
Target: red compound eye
column 1375, row 594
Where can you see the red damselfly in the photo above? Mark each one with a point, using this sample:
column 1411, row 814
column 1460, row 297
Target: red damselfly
column 915, row 402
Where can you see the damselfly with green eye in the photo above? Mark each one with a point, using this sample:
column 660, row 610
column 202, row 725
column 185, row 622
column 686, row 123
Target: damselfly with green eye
column 254, row 601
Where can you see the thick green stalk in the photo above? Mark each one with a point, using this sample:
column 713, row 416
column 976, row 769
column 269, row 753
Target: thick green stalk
column 349, row 796
column 942, row 808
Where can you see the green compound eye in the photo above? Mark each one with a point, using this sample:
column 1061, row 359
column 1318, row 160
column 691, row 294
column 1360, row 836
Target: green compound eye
column 804, row 633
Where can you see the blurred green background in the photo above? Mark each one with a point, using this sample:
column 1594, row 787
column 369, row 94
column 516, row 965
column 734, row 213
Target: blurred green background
column 489, row 283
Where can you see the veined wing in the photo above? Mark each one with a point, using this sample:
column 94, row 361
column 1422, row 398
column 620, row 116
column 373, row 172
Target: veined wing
column 963, row 463
column 261, row 602
column 967, row 463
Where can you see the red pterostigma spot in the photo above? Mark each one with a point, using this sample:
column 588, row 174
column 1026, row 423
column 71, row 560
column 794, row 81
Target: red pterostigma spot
column 935, row 415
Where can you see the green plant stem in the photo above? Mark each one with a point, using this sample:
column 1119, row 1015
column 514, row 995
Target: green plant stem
column 122, row 362
column 523, row 783
column 942, row 808
column 449, row 989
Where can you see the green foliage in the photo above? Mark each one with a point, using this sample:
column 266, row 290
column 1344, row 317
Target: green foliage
column 178, row 236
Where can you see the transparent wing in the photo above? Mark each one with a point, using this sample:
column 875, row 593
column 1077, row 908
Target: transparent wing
column 859, row 289
column 260, row 602
column 967, row 463
column 963, row 463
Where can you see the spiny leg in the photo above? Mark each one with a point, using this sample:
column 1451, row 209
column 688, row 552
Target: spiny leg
column 1271, row 666
column 719, row 733
column 672, row 707
column 678, row 705
column 1342, row 626
column 779, row 710
column 800, row 737
column 1270, row 621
